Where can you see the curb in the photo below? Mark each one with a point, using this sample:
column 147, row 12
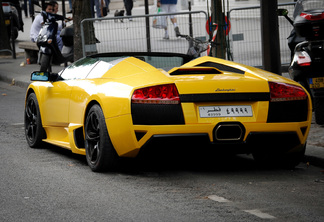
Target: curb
column 13, row 81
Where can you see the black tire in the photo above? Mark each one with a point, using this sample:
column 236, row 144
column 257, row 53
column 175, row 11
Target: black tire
column 34, row 130
column 319, row 110
column 100, row 153
column 9, row 31
column 45, row 63
column 14, row 33
column 286, row 161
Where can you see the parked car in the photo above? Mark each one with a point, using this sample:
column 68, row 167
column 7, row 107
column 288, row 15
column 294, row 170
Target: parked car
column 109, row 106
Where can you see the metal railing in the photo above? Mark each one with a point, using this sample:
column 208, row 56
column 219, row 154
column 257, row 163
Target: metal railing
column 245, row 35
column 119, row 34
column 112, row 35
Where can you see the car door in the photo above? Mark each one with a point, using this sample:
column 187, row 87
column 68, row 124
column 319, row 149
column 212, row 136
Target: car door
column 57, row 97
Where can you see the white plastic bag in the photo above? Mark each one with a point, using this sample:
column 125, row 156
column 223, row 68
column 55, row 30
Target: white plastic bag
column 159, row 22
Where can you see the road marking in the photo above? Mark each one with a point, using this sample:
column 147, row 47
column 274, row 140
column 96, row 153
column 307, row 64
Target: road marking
column 218, row 199
column 254, row 212
column 260, row 214
column 17, row 124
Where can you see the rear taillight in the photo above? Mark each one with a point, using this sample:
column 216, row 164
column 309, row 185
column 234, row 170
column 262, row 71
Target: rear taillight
column 285, row 92
column 5, row 7
column 161, row 94
column 312, row 17
column 303, row 59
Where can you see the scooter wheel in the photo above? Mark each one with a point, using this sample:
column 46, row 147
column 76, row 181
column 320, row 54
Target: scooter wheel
column 45, row 62
column 14, row 33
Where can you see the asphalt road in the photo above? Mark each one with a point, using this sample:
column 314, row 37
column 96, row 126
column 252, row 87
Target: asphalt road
column 52, row 184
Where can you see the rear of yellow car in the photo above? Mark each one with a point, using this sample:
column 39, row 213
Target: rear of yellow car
column 266, row 115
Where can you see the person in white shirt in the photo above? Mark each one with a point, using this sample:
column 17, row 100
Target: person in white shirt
column 52, row 9
column 38, row 23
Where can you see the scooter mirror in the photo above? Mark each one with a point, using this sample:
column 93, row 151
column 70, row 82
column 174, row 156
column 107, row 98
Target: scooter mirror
column 282, row 12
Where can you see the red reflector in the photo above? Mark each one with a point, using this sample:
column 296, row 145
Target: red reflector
column 5, row 4
column 305, row 64
column 285, row 92
column 311, row 17
column 303, row 59
column 161, row 94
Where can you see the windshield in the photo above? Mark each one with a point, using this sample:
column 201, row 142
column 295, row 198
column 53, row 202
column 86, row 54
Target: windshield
column 303, row 5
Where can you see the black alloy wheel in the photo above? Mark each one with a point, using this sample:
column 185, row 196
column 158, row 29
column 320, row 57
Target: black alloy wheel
column 34, row 130
column 100, row 153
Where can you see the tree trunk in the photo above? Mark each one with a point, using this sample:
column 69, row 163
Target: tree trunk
column 4, row 39
column 81, row 10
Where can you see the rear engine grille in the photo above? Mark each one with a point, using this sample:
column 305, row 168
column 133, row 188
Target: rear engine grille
column 157, row 114
column 272, row 142
column 288, row 111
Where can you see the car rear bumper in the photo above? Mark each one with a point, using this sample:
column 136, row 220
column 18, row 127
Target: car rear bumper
column 279, row 137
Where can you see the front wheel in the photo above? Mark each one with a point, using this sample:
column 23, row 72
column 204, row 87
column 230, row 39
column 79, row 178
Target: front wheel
column 14, row 33
column 34, row 130
column 100, row 153
column 45, row 63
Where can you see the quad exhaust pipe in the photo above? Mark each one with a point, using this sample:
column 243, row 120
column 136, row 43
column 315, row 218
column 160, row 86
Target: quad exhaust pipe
column 229, row 132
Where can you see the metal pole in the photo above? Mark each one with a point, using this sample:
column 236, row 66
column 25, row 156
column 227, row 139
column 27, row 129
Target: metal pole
column 43, row 5
column 12, row 38
column 63, row 7
column 270, row 36
column 190, row 24
column 147, row 22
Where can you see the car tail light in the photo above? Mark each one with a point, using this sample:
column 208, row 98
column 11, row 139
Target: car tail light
column 161, row 94
column 312, row 17
column 303, row 59
column 285, row 92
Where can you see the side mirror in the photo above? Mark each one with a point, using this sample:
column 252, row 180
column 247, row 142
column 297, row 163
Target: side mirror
column 39, row 76
column 43, row 76
column 282, row 12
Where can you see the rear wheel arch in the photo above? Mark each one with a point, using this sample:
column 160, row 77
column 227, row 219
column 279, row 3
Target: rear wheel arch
column 90, row 104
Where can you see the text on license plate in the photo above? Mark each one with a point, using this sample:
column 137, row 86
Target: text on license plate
column 316, row 83
column 225, row 111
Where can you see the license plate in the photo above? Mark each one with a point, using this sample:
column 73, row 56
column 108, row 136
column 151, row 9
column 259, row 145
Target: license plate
column 316, row 83
column 224, row 111
column 7, row 22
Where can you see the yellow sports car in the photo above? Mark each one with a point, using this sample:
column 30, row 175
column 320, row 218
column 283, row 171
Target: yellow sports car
column 109, row 106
